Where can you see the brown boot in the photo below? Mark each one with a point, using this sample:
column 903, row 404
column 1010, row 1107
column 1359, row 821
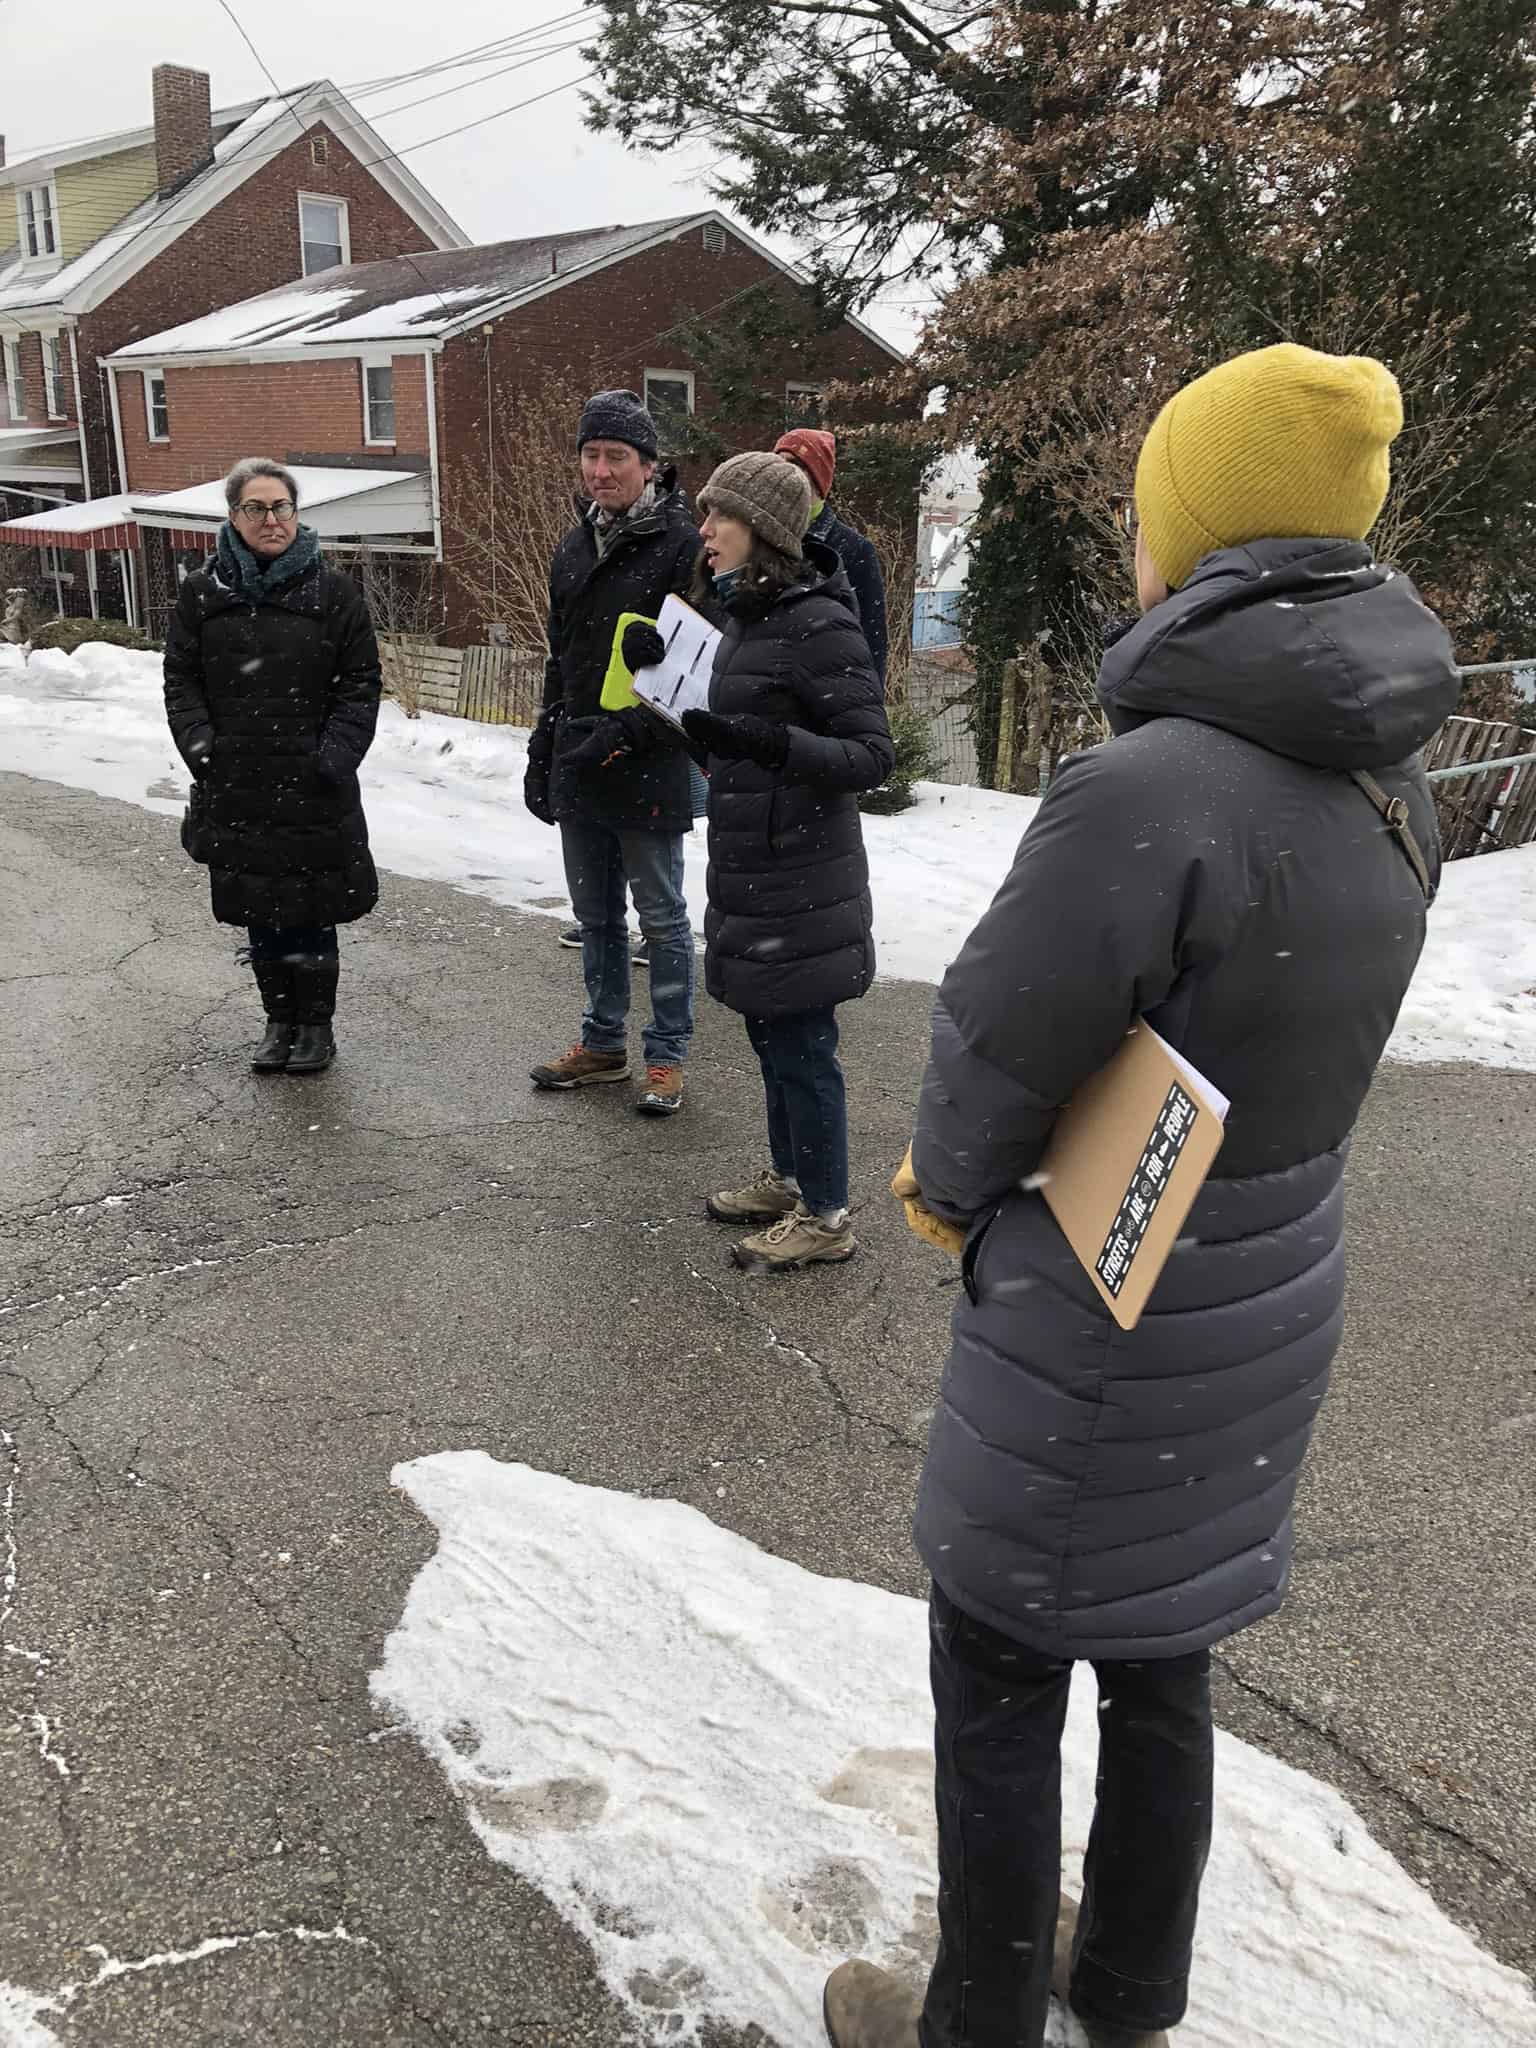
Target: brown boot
column 768, row 1198
column 798, row 1239
column 663, row 1094
column 869, row 2008
column 580, row 1067
column 1099, row 2035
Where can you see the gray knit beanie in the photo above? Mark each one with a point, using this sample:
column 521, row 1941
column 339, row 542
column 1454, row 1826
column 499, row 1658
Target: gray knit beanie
column 768, row 493
column 618, row 416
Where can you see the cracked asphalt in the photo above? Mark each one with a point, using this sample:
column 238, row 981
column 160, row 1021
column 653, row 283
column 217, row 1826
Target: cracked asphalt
column 229, row 1306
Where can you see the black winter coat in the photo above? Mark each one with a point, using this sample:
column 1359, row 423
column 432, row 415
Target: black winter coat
column 1101, row 1493
column 858, row 557
column 790, row 926
column 273, row 706
column 648, row 558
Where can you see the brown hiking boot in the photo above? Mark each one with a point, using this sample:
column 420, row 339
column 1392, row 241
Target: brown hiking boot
column 768, row 1198
column 869, row 2008
column 663, row 1092
column 798, row 1239
column 1099, row 2035
column 580, row 1067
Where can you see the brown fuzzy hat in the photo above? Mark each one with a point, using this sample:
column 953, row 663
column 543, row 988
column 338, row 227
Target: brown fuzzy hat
column 767, row 493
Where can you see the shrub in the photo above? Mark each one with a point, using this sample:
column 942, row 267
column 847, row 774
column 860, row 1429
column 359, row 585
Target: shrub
column 916, row 760
column 68, row 634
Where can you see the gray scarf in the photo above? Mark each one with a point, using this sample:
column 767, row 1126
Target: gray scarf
column 607, row 526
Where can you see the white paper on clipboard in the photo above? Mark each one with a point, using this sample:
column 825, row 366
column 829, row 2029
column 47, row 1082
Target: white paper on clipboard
column 680, row 682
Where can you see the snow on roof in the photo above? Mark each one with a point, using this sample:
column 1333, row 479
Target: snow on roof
column 223, row 121
column 13, row 439
column 18, row 289
column 416, row 297
column 94, row 514
column 316, row 487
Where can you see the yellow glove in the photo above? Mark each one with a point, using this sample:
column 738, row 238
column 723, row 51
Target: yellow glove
column 945, row 1237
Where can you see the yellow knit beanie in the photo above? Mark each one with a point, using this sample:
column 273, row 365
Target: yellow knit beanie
column 1282, row 443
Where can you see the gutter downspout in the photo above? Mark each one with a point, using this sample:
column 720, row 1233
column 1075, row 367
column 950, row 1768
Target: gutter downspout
column 429, row 371
column 85, row 465
column 130, row 567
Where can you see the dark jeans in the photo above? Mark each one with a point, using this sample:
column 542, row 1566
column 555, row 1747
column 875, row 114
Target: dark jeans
column 807, row 1107
column 598, row 862
column 292, row 942
column 1000, row 1712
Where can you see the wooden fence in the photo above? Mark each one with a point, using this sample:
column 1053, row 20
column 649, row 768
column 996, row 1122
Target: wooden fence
column 496, row 685
column 1483, row 774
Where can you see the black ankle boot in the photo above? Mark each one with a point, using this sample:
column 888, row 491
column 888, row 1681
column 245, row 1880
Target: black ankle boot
column 314, row 989
column 275, row 980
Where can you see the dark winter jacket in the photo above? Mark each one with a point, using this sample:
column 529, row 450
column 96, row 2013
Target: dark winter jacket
column 858, row 557
column 1098, row 1493
column 272, row 705
column 789, row 926
column 650, row 555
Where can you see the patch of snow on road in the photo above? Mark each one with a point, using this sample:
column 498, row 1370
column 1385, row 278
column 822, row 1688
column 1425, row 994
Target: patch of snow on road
column 718, row 1767
column 444, row 802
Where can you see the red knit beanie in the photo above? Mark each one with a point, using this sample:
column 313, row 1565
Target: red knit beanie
column 815, row 451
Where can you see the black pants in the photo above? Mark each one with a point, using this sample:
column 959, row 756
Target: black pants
column 296, row 942
column 1000, row 1712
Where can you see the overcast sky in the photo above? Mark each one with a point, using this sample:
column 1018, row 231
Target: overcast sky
column 70, row 75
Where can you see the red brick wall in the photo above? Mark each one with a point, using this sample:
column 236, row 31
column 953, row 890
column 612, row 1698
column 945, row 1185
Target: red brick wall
column 219, row 412
column 610, row 329
column 247, row 244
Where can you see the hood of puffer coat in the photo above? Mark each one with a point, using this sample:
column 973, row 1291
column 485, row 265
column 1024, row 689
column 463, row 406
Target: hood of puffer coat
column 1310, row 648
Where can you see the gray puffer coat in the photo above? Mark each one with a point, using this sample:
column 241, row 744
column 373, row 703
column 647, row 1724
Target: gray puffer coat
column 1101, row 1493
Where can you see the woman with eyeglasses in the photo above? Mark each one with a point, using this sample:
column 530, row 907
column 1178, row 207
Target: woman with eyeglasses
column 272, row 692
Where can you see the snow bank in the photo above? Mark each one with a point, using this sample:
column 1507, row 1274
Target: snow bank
column 718, row 1767
column 445, row 803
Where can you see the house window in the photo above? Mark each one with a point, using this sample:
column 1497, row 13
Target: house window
column 34, row 206
column 53, row 375
column 15, row 384
column 669, row 400
column 54, row 567
column 157, row 411
column 323, row 233
column 379, row 402
column 802, row 405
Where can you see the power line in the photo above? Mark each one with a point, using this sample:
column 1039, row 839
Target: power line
column 260, row 60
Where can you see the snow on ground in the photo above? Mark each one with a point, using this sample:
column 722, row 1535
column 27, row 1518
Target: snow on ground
column 444, row 800
column 718, row 1767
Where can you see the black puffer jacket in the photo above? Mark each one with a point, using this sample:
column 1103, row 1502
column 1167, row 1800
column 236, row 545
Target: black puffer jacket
column 789, row 925
column 273, row 706
column 857, row 554
column 650, row 556
column 1098, row 1493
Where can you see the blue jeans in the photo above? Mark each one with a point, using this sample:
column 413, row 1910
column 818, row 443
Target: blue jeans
column 1000, row 1709
column 807, row 1106
column 598, row 863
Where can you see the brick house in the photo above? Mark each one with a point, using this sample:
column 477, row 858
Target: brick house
column 403, row 374
column 115, row 237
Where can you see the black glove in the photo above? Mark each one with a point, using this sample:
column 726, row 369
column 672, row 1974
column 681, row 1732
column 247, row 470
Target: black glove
column 606, row 739
column 642, row 646
column 541, row 750
column 740, row 737
column 200, row 757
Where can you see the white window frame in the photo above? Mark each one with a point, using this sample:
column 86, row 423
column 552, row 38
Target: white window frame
column 54, row 396
column 37, row 208
column 798, row 390
column 370, row 438
column 52, row 559
column 344, row 235
column 151, row 379
column 672, row 377
column 15, row 379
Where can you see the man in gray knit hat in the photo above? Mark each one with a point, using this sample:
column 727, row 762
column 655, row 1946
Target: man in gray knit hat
column 616, row 782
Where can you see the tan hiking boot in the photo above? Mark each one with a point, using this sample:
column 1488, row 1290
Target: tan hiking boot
column 1099, row 2035
column 768, row 1198
column 798, row 1239
column 869, row 2008
column 663, row 1092
column 580, row 1067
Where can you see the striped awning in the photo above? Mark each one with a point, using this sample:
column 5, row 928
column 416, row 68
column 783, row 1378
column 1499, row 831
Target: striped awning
column 97, row 525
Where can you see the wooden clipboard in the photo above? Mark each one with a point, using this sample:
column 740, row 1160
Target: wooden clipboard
column 1126, row 1159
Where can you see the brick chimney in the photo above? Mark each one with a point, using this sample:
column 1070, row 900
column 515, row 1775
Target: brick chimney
column 183, row 126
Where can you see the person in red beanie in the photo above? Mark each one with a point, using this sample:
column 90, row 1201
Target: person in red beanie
column 814, row 451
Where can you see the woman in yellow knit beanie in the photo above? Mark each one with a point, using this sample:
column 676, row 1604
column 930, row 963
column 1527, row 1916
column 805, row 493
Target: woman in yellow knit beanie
column 1244, row 865
column 1282, row 443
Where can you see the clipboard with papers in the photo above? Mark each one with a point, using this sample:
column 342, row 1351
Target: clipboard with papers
column 680, row 682
column 1126, row 1159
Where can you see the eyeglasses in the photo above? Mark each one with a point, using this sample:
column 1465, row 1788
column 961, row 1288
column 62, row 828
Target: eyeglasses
column 1124, row 510
column 258, row 513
